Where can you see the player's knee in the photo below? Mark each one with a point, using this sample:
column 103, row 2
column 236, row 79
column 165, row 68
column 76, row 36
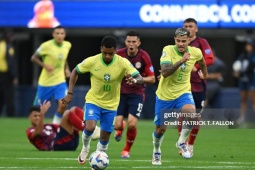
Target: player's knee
column 160, row 131
column 131, row 126
column 90, row 128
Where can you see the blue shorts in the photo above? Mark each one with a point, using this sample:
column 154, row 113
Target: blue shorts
column 106, row 117
column 130, row 103
column 167, row 105
column 64, row 141
column 47, row 92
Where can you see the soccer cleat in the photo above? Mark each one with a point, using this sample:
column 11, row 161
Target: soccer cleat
column 125, row 154
column 184, row 151
column 118, row 133
column 83, row 155
column 190, row 149
column 156, row 158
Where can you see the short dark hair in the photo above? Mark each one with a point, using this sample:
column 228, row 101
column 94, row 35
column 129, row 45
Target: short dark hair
column 190, row 20
column 34, row 108
column 58, row 27
column 182, row 32
column 109, row 42
column 133, row 33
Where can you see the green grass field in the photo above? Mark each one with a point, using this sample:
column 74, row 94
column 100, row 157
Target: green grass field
column 214, row 149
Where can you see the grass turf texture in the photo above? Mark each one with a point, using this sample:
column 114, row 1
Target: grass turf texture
column 214, row 149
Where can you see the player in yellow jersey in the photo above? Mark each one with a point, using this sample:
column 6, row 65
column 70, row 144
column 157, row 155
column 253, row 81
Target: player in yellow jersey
column 174, row 89
column 52, row 57
column 107, row 70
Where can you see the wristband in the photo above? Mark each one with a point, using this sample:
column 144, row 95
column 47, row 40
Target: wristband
column 134, row 81
column 70, row 93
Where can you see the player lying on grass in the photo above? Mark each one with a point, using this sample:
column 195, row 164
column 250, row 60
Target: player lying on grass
column 56, row 137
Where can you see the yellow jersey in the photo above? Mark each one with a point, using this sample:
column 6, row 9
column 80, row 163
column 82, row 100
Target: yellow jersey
column 55, row 55
column 105, row 79
column 178, row 83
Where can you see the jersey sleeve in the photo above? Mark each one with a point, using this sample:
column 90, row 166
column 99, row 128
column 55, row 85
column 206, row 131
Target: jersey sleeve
column 84, row 66
column 42, row 50
column 165, row 57
column 130, row 69
column 149, row 70
column 207, row 53
column 29, row 133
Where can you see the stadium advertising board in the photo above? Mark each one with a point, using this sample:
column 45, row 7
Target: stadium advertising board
column 127, row 14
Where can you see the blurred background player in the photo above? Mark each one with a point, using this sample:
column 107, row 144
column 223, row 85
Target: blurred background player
column 107, row 71
column 132, row 96
column 50, row 136
column 43, row 15
column 173, row 91
column 214, row 81
column 244, row 71
column 198, row 86
column 52, row 57
column 8, row 73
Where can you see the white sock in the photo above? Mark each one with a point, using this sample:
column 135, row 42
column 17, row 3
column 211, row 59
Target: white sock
column 57, row 118
column 101, row 147
column 184, row 134
column 157, row 143
column 86, row 140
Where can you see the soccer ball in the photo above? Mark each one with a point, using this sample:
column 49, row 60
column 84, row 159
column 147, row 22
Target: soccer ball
column 98, row 160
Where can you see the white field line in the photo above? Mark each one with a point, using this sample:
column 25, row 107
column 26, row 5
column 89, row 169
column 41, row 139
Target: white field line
column 221, row 165
column 131, row 160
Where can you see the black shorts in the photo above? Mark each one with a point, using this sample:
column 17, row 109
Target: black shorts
column 64, row 141
column 199, row 99
column 130, row 103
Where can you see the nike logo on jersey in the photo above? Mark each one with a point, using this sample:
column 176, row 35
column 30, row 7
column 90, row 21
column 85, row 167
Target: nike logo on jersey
column 96, row 69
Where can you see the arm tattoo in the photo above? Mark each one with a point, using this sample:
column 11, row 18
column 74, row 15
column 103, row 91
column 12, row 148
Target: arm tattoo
column 169, row 69
column 139, row 79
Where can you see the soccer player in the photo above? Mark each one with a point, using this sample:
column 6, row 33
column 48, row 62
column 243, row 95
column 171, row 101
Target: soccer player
column 174, row 87
column 198, row 85
column 132, row 96
column 52, row 57
column 107, row 71
column 56, row 137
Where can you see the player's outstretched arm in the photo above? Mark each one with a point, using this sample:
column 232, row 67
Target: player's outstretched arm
column 44, row 107
column 72, row 81
column 137, row 79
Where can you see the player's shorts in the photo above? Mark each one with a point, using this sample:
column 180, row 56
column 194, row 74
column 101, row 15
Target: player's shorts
column 64, row 141
column 47, row 92
column 130, row 103
column 106, row 117
column 246, row 86
column 199, row 99
column 169, row 105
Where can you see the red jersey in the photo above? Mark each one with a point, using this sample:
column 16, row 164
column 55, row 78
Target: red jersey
column 44, row 141
column 197, row 84
column 142, row 62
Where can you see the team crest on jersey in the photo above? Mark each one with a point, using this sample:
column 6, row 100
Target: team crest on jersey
column 183, row 66
column 138, row 65
column 107, row 77
column 163, row 54
column 60, row 56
